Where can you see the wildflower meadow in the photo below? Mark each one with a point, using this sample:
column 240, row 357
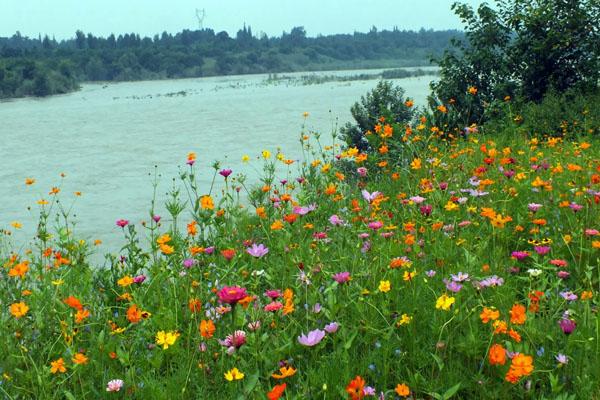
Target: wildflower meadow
column 467, row 269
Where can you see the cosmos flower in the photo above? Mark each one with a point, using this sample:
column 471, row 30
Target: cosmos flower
column 114, row 385
column 257, row 250
column 312, row 339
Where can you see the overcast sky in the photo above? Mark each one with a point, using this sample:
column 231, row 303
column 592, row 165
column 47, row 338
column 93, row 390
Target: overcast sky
column 147, row 17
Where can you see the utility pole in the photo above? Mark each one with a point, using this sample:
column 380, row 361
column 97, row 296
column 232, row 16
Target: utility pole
column 200, row 15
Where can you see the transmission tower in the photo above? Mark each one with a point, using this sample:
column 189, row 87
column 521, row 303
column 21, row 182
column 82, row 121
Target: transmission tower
column 200, row 15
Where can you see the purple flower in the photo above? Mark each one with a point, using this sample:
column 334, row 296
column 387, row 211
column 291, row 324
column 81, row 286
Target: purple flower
column 225, row 173
column 332, row 327
column 369, row 391
column 313, row 338
column 430, row 273
column 460, row 277
column 209, row 250
column 562, row 359
column 490, row 282
column 567, row 325
column 568, row 295
column 533, row 207
column 257, row 250
column 189, row 262
column 342, row 277
column 453, row 286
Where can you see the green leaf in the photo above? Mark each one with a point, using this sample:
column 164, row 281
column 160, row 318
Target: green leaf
column 251, row 383
column 348, row 343
column 452, row 391
column 69, row 395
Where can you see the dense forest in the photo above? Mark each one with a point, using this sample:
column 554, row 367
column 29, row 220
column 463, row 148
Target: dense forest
column 43, row 66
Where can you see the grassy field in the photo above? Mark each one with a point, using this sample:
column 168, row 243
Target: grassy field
column 468, row 270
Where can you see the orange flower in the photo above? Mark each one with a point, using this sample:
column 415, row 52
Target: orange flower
column 19, row 310
column 195, row 305
column 134, row 314
column 402, row 390
column 79, row 359
column 192, row 228
column 125, row 281
column 500, row 327
column 260, row 211
column 277, row 225
column 517, row 314
column 58, row 366
column 290, row 218
column 521, row 365
column 497, row 355
column 19, row 270
column 488, row 315
column 285, row 372
column 81, row 315
column 356, row 388
column 207, row 328
column 277, row 392
column 515, row 335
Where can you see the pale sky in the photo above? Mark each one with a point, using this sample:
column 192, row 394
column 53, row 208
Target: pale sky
column 147, row 17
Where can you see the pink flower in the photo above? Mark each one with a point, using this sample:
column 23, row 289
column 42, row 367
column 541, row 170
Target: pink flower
column 332, row 327
column 342, row 277
column 273, row 293
column 559, row 263
column 234, row 341
column 114, row 386
column 375, row 225
column 231, row 294
column 370, row 196
column 335, row 220
column 362, row 171
column 313, row 338
column 139, row 279
column 122, row 223
column 542, row 250
column 533, row 207
column 273, row 306
column 519, row 255
column 257, row 250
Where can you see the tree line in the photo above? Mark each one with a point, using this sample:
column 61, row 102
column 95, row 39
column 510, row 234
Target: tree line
column 42, row 66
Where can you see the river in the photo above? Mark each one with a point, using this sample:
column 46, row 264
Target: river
column 108, row 138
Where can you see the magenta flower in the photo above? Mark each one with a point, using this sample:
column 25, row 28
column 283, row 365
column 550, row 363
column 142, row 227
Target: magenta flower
column 156, row 218
column 189, row 262
column 273, row 293
column 257, row 250
column 426, row 210
column 519, row 255
column 313, row 338
column 139, row 279
column 231, row 294
column 542, row 250
column 567, row 325
column 225, row 173
column 122, row 223
column 342, row 277
column 304, row 210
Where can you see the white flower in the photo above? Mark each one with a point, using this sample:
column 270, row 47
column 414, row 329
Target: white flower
column 534, row 272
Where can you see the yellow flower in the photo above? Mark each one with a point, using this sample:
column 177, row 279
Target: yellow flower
column 125, row 281
column 16, row 225
column 444, row 302
column 19, row 310
column 166, row 339
column 206, row 202
column 234, row 374
column 245, row 158
column 384, row 286
column 58, row 366
column 416, row 163
column 266, row 154
column 405, row 319
column 451, row 206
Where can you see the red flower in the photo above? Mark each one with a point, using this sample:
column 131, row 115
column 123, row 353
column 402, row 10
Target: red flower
column 356, row 388
column 277, row 392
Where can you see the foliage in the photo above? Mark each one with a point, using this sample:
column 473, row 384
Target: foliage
column 381, row 107
column 471, row 273
column 206, row 52
column 519, row 48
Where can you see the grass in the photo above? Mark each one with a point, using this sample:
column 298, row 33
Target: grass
column 450, row 282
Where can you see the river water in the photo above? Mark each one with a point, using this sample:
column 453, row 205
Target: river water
column 108, row 138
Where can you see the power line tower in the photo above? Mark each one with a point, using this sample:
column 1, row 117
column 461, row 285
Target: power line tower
column 200, row 15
